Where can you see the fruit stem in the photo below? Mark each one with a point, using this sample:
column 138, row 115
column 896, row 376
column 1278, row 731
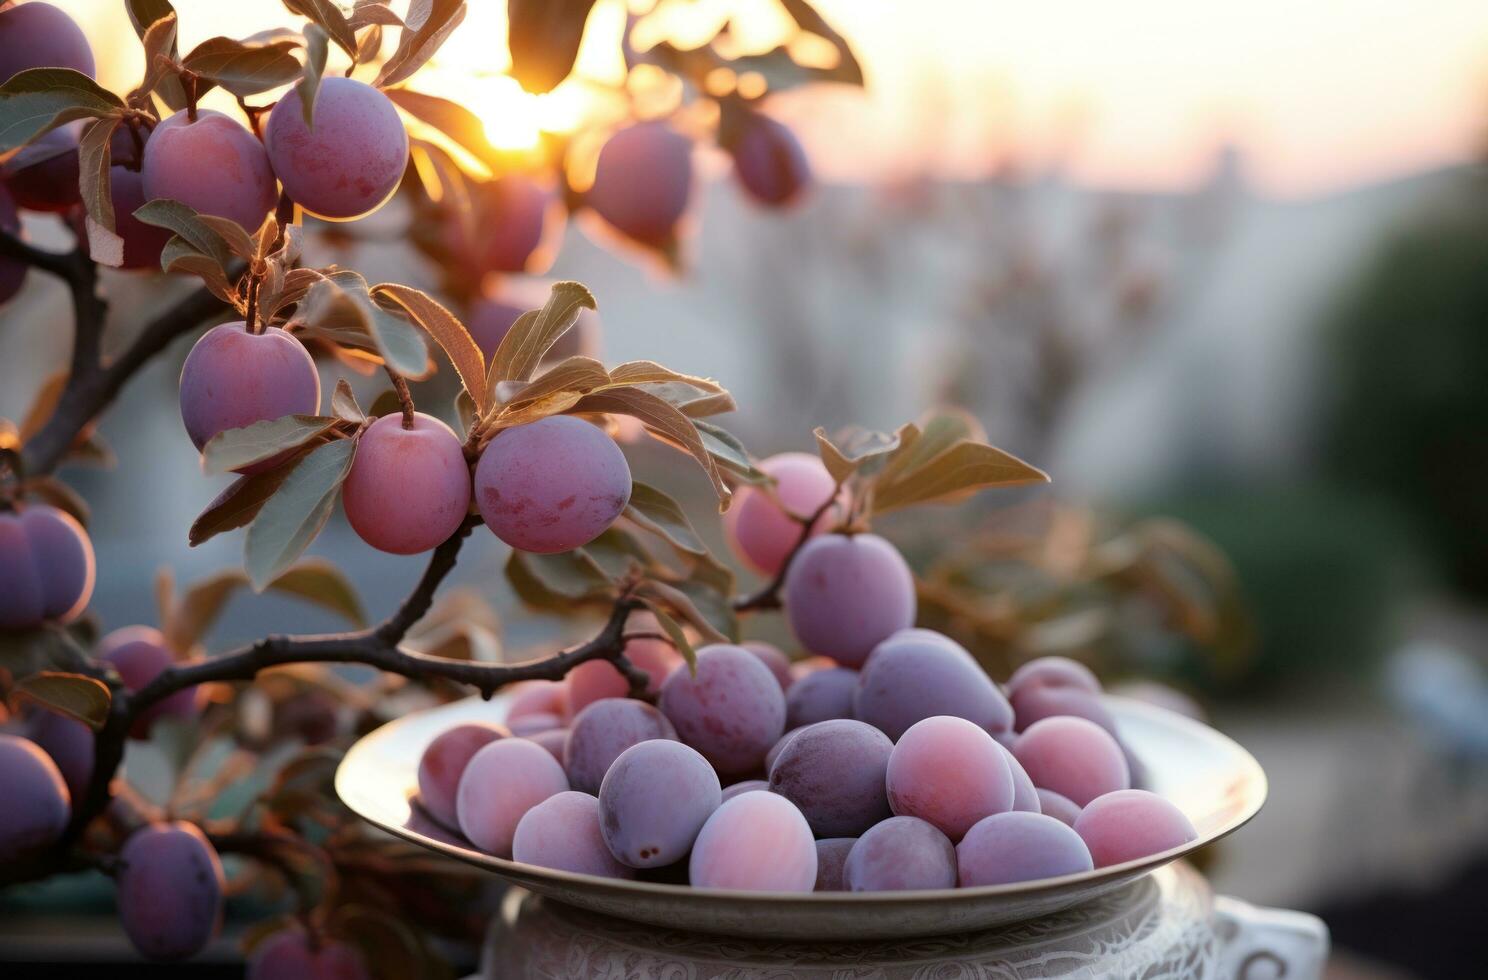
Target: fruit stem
column 252, row 112
column 250, row 312
column 189, row 82
column 405, row 397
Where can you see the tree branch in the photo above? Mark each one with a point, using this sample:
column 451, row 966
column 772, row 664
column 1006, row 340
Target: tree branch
column 91, row 385
column 63, row 265
column 376, row 647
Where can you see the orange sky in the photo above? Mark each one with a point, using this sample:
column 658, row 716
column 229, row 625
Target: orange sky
column 1320, row 95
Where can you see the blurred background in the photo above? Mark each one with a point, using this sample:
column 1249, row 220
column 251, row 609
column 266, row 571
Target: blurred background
column 1220, row 269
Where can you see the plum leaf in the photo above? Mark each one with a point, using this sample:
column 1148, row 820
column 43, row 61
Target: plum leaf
column 447, row 331
column 658, row 513
column 344, row 403
column 451, row 119
column 664, row 422
column 952, row 475
column 38, row 100
column 420, row 40
column 308, row 86
column 294, row 515
column 234, row 449
column 535, row 332
column 544, row 38
column 327, row 16
column 73, row 695
column 556, row 582
column 245, row 68
column 240, row 503
column 94, row 185
column 675, row 633
column 186, row 223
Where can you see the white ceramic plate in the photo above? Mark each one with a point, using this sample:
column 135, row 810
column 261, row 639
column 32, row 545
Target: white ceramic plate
column 1213, row 780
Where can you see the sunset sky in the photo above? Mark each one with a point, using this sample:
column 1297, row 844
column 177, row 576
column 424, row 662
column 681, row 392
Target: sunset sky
column 1319, row 96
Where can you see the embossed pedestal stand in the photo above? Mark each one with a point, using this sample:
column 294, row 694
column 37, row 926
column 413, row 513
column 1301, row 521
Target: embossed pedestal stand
column 1167, row 926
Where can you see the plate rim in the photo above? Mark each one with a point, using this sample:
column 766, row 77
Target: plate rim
column 619, row 886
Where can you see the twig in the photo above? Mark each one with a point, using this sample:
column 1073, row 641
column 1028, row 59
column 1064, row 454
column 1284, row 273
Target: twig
column 376, row 647
column 92, row 386
column 270, row 847
column 768, row 596
column 64, row 265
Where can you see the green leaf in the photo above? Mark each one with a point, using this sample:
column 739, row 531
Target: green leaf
column 243, row 68
column 369, row 45
column 700, row 607
column 73, row 695
column 534, row 333
column 649, row 372
column 453, row 120
column 675, row 633
column 339, row 308
column 37, row 100
column 556, row 390
column 318, row 581
column 328, row 16
column 26, row 652
column 808, row 19
column 234, row 449
column 937, row 433
column 344, row 403
column 159, row 42
column 368, row 12
column 315, row 62
column 728, row 451
column 855, row 449
column 198, row 608
column 618, row 553
column 466, row 412
column 544, row 37
column 60, row 496
column 93, row 181
column 233, row 235
column 418, row 45
column 240, row 503
column 386, row 403
column 662, row 421
column 180, row 256
column 447, row 331
column 144, row 14
column 294, row 515
column 690, row 401
column 556, row 582
column 660, row 514
column 963, row 469
column 184, row 221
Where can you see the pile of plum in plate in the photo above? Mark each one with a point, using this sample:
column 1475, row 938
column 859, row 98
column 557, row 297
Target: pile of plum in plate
column 915, row 771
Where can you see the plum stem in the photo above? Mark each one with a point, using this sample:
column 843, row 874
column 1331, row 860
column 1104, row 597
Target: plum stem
column 189, row 80
column 405, row 397
column 250, row 309
column 768, row 596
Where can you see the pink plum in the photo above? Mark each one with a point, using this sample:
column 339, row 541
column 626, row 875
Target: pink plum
column 409, row 488
column 233, row 378
column 350, row 161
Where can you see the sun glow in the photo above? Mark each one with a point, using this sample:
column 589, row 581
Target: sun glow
column 471, row 66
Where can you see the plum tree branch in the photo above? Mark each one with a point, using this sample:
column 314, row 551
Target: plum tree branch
column 377, row 646
column 92, row 385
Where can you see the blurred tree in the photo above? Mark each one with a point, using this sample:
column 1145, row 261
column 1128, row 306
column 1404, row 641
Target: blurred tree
column 1408, row 358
